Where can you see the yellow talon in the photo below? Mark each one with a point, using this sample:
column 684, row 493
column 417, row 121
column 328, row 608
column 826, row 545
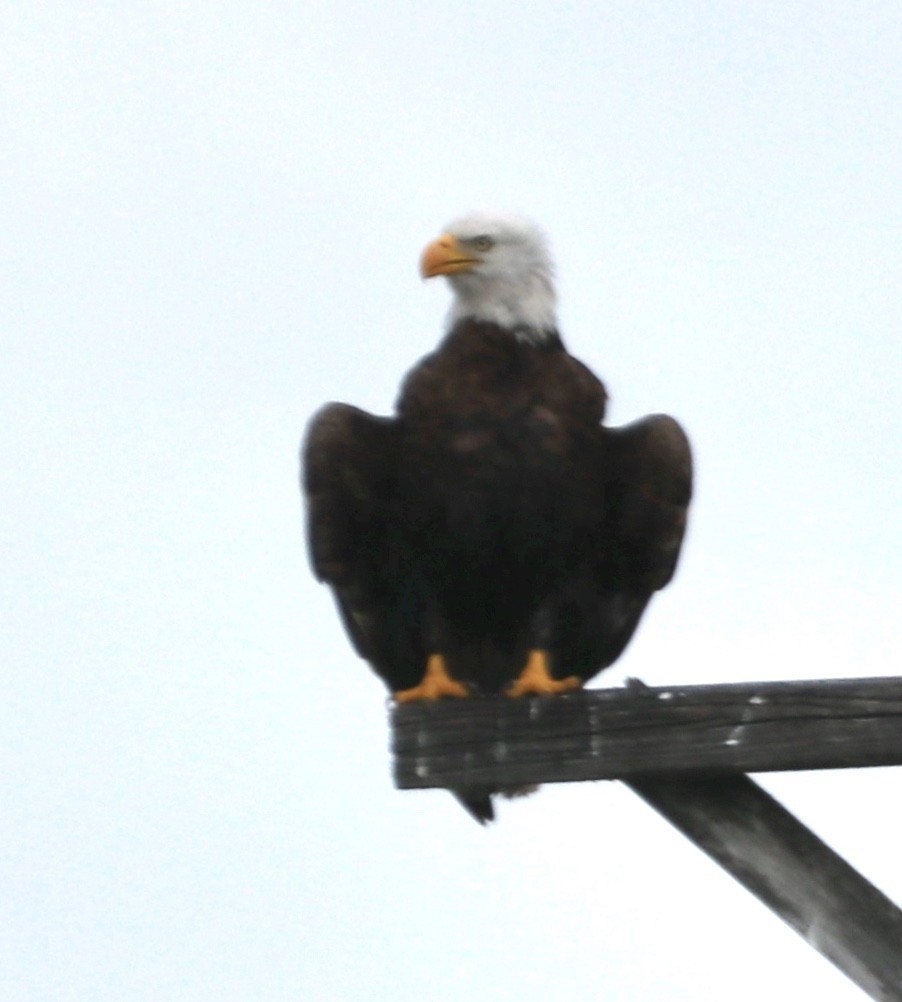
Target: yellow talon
column 536, row 680
column 437, row 682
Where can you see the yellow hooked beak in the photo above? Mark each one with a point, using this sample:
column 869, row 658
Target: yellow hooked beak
column 445, row 256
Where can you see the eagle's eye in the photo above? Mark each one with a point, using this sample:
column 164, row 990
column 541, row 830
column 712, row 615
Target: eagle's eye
column 483, row 243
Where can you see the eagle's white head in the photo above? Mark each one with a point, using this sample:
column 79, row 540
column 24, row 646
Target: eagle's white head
column 501, row 272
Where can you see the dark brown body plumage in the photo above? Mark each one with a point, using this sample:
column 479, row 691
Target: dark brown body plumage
column 494, row 515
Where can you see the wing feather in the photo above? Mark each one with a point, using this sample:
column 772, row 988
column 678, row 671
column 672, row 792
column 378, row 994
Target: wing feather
column 348, row 474
column 647, row 487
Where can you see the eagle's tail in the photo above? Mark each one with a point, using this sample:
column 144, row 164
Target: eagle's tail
column 477, row 803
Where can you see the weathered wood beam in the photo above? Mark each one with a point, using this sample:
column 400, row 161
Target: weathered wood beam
column 789, row 869
column 683, row 750
column 638, row 730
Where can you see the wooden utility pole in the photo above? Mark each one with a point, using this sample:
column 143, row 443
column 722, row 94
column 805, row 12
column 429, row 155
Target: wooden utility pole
column 685, row 750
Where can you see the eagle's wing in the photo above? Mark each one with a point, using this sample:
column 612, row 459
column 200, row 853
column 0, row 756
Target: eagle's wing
column 647, row 488
column 348, row 476
column 348, row 473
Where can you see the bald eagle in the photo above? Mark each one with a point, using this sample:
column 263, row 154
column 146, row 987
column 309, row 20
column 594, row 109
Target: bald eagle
column 494, row 536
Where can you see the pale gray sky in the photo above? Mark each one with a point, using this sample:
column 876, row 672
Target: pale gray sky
column 212, row 218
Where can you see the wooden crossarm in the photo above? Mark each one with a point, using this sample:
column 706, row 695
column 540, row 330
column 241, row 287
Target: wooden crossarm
column 684, row 750
column 638, row 730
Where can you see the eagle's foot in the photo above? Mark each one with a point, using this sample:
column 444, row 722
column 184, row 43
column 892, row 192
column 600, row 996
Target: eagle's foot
column 437, row 682
column 536, row 680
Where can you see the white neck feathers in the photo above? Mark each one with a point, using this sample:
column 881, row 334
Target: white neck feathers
column 526, row 307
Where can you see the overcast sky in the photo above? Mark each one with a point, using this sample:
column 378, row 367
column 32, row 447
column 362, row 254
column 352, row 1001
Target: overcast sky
column 212, row 214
